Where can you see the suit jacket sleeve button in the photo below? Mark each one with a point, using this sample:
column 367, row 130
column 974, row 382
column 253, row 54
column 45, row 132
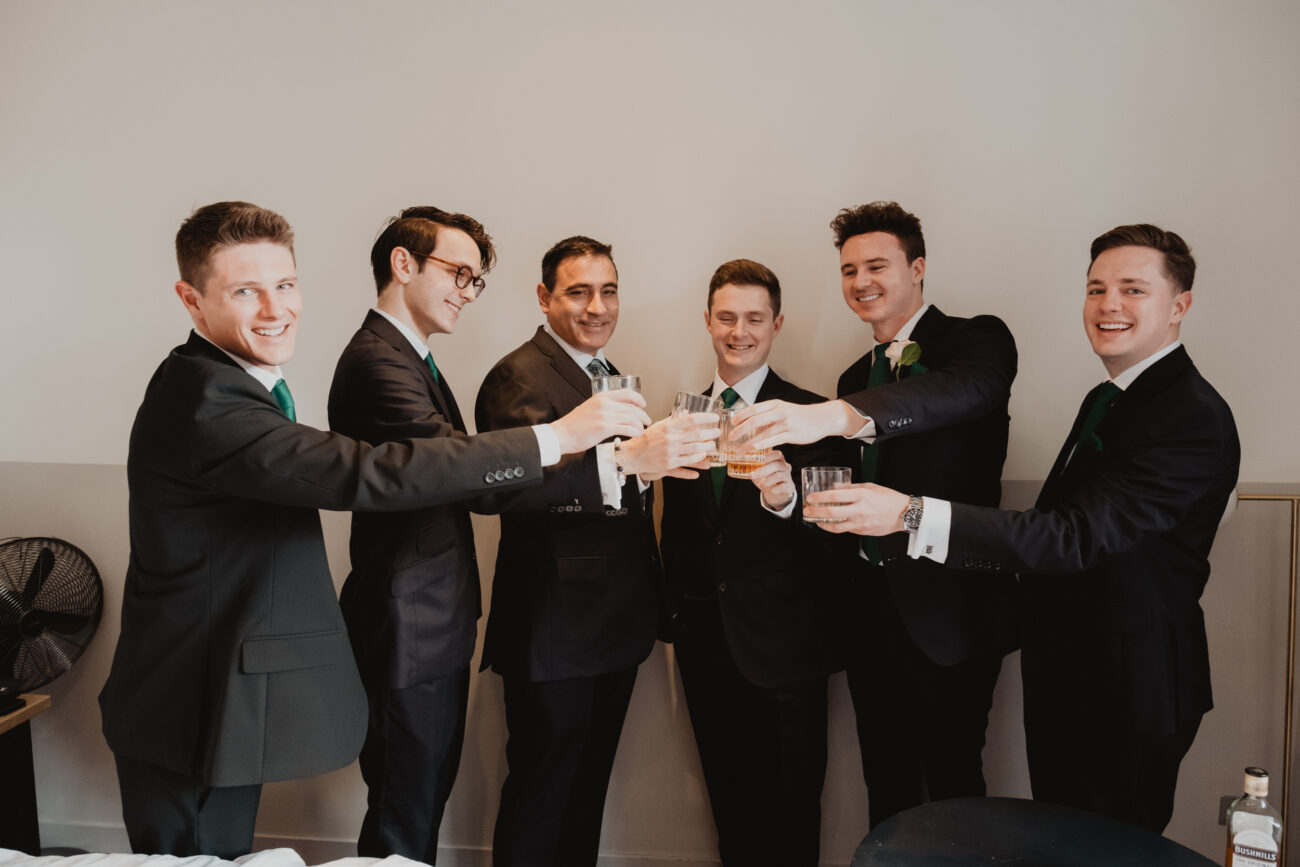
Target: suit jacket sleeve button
column 519, row 472
column 499, row 475
column 488, row 478
column 722, row 587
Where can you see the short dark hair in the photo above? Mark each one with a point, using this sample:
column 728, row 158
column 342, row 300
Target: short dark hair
column 572, row 248
column 1180, row 267
column 747, row 272
column 881, row 217
column 225, row 224
column 416, row 229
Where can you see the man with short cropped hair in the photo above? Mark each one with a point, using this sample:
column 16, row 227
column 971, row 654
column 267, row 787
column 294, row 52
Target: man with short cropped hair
column 750, row 587
column 1114, row 555
column 233, row 667
column 575, row 599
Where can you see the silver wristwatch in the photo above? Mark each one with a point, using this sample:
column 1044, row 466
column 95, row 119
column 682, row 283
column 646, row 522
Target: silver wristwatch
column 912, row 514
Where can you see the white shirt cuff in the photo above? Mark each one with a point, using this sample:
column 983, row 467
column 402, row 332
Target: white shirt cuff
column 548, row 444
column 610, row 492
column 868, row 431
column 931, row 540
column 782, row 513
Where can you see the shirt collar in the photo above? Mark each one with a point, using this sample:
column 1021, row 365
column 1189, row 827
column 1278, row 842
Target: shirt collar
column 581, row 358
column 747, row 388
column 905, row 333
column 421, row 348
column 1125, row 379
column 265, row 377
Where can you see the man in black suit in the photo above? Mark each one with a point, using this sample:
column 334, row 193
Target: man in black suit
column 233, row 667
column 1114, row 555
column 411, row 602
column 929, row 404
column 748, row 584
column 575, row 599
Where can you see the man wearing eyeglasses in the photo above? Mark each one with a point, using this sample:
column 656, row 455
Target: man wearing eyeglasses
column 412, row 600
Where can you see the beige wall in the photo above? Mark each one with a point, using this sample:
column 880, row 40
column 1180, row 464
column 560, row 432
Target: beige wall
column 685, row 134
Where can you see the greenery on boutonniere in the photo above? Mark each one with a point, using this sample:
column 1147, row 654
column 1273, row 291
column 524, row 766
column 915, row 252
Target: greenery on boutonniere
column 905, row 353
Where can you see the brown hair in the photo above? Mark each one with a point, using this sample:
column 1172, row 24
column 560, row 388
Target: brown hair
column 747, row 272
column 881, row 217
column 572, row 248
column 1180, row 267
column 225, row 224
column 416, row 229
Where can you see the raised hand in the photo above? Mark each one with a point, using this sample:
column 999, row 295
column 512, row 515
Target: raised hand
column 780, row 422
column 775, row 481
column 867, row 510
column 599, row 417
column 669, row 445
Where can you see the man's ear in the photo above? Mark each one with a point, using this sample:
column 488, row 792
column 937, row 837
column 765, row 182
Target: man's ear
column 777, row 323
column 1182, row 303
column 402, row 264
column 918, row 270
column 189, row 295
column 543, row 297
column 708, row 319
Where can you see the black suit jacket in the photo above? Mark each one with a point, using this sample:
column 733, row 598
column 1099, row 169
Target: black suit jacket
column 233, row 664
column 770, row 575
column 943, row 433
column 411, row 601
column 1120, row 539
column 576, row 589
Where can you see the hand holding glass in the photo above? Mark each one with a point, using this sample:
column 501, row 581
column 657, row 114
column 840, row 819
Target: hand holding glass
column 817, row 479
column 741, row 458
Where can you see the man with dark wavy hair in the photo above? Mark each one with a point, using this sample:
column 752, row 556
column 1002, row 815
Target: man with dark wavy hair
column 928, row 404
column 1114, row 555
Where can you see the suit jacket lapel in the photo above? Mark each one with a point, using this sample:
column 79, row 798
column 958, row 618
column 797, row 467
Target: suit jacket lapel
column 564, row 365
column 440, row 391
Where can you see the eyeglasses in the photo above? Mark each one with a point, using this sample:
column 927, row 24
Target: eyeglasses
column 464, row 276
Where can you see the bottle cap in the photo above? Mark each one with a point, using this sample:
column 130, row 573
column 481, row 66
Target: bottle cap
column 1256, row 782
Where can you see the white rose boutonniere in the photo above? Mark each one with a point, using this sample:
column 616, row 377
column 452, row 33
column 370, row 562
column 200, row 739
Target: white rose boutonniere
column 903, row 353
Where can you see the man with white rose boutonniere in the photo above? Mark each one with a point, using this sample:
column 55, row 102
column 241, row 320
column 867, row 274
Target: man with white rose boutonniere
column 928, row 403
column 1113, row 557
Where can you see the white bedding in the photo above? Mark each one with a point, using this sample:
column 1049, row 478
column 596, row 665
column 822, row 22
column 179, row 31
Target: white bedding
column 265, row 858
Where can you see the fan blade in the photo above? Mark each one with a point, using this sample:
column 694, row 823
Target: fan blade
column 41, row 570
column 11, row 607
column 66, row 624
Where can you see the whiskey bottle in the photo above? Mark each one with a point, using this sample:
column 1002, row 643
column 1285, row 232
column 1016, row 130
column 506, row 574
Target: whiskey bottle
column 1254, row 825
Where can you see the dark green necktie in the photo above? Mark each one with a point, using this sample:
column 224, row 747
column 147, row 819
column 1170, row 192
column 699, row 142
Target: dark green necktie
column 1101, row 399
column 596, row 368
column 729, row 398
column 433, row 368
column 879, row 375
column 280, row 391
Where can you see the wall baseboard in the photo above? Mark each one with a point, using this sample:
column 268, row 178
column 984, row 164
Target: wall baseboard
column 110, row 838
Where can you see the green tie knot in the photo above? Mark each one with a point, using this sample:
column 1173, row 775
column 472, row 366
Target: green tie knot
column 596, row 367
column 729, row 397
column 280, row 391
